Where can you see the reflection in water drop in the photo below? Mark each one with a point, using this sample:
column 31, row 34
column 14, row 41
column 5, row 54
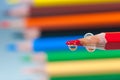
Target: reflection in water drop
column 72, row 47
column 90, row 48
column 88, row 34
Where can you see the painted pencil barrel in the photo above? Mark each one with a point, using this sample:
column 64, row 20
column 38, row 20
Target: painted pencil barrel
column 70, row 2
column 79, row 55
column 89, row 77
column 66, row 22
column 113, row 37
column 85, row 67
column 113, row 40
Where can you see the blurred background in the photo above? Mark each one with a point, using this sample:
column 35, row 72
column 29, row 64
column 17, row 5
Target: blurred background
column 33, row 35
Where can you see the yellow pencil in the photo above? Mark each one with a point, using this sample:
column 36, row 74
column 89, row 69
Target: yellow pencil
column 71, row 68
column 42, row 3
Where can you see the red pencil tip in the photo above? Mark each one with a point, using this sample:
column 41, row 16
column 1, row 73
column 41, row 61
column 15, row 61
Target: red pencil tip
column 74, row 42
column 4, row 24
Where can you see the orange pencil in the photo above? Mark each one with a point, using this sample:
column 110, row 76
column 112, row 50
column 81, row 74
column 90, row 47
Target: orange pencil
column 68, row 21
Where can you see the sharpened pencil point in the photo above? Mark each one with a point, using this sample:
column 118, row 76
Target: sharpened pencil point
column 74, row 42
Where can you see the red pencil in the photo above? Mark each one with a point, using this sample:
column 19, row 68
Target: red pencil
column 106, row 41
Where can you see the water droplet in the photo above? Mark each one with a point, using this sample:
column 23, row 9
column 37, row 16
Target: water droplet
column 72, row 47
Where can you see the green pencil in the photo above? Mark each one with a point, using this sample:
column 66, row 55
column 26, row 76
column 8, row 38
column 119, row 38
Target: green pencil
column 71, row 56
column 90, row 77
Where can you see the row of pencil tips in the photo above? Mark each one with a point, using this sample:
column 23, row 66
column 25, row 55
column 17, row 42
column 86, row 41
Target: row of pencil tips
column 38, row 62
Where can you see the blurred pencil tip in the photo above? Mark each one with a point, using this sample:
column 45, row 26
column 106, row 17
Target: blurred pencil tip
column 11, row 47
column 6, row 13
column 31, row 70
column 4, row 24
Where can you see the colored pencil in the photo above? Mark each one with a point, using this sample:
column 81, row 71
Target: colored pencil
column 42, row 44
column 41, row 3
column 56, row 33
column 56, row 56
column 31, row 11
column 91, row 77
column 67, row 21
column 107, row 41
column 72, row 68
